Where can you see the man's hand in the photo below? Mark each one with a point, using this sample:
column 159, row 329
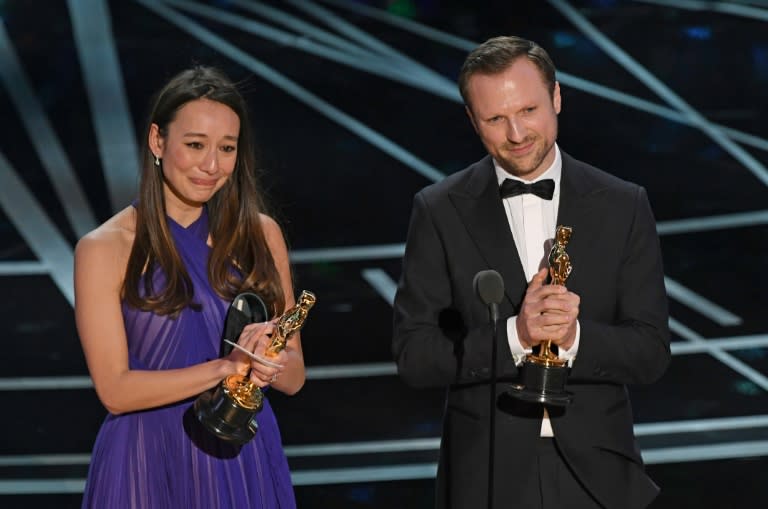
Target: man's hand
column 548, row 312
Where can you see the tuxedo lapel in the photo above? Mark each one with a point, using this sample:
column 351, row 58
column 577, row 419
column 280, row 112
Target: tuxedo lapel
column 575, row 211
column 482, row 212
column 570, row 196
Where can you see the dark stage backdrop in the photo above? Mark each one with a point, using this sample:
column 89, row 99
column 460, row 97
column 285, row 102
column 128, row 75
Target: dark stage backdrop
column 356, row 109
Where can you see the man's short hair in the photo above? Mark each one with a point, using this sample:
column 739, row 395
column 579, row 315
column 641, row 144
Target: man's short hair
column 497, row 54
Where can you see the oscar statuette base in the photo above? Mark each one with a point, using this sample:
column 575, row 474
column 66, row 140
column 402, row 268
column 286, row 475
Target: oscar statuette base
column 543, row 381
column 224, row 412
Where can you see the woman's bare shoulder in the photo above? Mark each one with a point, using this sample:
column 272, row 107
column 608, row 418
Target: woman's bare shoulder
column 113, row 238
column 273, row 233
column 268, row 223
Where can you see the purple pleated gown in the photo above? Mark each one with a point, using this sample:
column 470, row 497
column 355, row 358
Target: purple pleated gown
column 162, row 458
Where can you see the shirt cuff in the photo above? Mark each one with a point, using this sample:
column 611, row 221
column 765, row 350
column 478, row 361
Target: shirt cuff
column 518, row 352
column 570, row 354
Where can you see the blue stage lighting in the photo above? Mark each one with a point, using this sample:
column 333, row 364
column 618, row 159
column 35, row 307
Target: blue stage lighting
column 564, row 39
column 700, row 33
column 760, row 61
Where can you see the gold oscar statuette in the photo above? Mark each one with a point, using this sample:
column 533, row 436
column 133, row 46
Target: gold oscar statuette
column 229, row 411
column 543, row 374
column 290, row 322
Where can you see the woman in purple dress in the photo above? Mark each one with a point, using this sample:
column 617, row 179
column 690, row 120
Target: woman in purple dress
column 152, row 286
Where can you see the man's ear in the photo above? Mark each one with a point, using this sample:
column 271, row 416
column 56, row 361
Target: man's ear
column 471, row 118
column 556, row 100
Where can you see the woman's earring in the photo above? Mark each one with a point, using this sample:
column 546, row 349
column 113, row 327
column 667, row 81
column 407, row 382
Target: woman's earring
column 157, row 161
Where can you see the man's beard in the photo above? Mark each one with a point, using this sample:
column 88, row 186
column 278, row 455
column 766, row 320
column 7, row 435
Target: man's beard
column 520, row 168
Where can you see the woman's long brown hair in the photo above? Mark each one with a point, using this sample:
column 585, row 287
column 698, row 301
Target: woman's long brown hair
column 240, row 259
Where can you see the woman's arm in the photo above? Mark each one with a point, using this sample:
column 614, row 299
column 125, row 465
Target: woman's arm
column 100, row 260
column 289, row 379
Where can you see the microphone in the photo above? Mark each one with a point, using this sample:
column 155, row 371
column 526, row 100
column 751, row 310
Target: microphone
column 490, row 288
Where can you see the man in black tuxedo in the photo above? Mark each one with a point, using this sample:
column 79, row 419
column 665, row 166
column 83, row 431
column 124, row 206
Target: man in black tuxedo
column 610, row 323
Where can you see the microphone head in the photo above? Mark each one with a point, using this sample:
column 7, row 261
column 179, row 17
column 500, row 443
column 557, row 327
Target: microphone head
column 489, row 286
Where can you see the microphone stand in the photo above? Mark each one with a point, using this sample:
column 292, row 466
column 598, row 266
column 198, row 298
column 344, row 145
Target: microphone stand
column 494, row 309
column 489, row 286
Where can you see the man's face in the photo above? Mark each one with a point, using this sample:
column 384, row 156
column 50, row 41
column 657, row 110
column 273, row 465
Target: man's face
column 515, row 117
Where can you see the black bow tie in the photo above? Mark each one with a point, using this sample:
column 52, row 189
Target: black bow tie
column 543, row 188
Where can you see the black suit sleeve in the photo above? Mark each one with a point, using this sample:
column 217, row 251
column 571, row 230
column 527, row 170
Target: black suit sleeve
column 433, row 344
column 634, row 347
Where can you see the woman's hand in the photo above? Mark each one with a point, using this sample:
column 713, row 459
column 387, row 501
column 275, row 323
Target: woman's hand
column 250, row 338
column 261, row 374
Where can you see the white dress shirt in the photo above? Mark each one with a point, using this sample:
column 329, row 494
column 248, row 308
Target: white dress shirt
column 532, row 221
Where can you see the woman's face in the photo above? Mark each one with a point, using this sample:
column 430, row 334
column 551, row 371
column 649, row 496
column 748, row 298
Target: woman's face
column 198, row 152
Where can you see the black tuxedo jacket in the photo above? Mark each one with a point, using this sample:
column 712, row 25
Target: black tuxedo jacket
column 442, row 334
